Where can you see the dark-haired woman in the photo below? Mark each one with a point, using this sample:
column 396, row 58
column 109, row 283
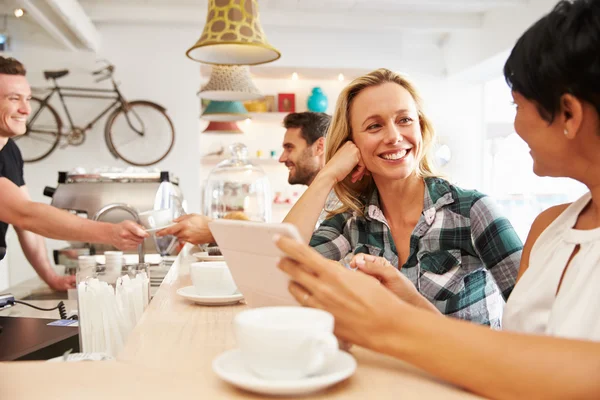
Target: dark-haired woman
column 550, row 347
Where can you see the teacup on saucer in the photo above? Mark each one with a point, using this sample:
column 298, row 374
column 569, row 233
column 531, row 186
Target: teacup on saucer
column 204, row 256
column 189, row 293
column 212, row 279
column 285, row 342
column 230, row 367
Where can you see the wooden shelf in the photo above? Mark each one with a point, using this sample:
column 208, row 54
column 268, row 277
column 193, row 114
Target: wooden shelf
column 256, row 161
column 268, row 116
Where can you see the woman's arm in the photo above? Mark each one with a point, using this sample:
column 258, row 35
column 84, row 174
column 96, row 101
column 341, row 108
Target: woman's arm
column 495, row 242
column 495, row 364
column 305, row 213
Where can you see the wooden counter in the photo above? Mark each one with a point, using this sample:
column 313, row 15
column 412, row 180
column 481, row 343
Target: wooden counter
column 170, row 352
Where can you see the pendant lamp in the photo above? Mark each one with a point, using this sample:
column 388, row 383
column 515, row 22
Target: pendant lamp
column 233, row 35
column 222, row 128
column 230, row 83
column 225, row 111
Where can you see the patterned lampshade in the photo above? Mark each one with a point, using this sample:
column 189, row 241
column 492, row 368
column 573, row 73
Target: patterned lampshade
column 225, row 111
column 222, row 128
column 233, row 35
column 230, row 83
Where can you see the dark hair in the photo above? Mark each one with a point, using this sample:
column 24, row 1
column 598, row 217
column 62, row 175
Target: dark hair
column 313, row 125
column 10, row 66
column 559, row 54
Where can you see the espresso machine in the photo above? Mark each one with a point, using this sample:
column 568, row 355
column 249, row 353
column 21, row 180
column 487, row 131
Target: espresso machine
column 107, row 196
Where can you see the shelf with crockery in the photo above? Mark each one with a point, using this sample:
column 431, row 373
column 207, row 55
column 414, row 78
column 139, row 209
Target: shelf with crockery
column 273, row 116
column 210, row 160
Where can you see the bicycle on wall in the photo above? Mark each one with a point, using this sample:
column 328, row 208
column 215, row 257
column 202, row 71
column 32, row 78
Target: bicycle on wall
column 139, row 132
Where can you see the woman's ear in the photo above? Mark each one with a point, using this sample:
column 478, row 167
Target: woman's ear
column 571, row 115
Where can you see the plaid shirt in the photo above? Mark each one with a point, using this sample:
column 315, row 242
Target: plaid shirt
column 331, row 203
column 464, row 256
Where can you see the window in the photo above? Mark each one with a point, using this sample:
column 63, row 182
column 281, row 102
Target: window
column 521, row 194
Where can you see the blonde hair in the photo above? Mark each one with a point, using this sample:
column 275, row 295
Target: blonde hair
column 354, row 196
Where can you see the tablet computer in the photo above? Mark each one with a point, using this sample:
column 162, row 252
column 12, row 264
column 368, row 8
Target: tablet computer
column 252, row 257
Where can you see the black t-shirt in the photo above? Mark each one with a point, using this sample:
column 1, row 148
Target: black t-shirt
column 11, row 167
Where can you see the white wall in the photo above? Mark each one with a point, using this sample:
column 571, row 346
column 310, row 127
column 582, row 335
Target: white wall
column 481, row 56
column 151, row 64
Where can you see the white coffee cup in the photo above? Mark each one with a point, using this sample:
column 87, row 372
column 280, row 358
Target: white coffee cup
column 156, row 218
column 285, row 342
column 113, row 259
column 212, row 278
column 86, row 261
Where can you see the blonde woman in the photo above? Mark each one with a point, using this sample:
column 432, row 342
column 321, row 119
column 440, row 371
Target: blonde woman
column 456, row 254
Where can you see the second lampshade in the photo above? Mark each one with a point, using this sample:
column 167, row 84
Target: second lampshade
column 225, row 111
column 230, row 83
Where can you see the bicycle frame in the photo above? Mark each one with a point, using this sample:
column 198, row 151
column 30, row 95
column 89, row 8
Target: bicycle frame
column 66, row 91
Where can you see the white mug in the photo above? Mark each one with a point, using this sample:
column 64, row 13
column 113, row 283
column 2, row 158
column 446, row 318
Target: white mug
column 285, row 342
column 212, row 278
column 86, row 261
column 113, row 260
column 156, row 218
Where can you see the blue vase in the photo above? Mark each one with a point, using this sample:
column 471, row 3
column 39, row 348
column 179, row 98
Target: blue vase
column 317, row 101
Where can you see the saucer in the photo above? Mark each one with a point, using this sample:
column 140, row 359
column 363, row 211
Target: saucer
column 229, row 367
column 189, row 293
column 202, row 256
column 152, row 230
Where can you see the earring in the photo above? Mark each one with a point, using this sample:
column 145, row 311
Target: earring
column 566, row 132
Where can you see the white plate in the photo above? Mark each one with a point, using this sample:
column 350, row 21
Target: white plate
column 230, row 367
column 202, row 256
column 152, row 230
column 189, row 293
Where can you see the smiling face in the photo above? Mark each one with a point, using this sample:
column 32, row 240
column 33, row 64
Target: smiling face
column 14, row 105
column 546, row 141
column 302, row 160
column 386, row 130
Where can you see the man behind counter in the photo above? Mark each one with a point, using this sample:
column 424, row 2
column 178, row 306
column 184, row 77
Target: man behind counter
column 31, row 220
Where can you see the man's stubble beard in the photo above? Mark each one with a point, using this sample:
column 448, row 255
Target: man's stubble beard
column 301, row 177
column 305, row 172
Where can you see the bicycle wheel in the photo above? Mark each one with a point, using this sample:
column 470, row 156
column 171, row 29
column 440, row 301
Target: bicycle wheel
column 43, row 132
column 142, row 134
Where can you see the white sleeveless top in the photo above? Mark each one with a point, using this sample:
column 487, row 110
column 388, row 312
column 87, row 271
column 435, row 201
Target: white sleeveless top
column 533, row 306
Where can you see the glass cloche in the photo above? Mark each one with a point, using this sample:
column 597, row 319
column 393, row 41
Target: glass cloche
column 238, row 189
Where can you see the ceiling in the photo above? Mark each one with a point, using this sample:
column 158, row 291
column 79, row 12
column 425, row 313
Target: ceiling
column 440, row 16
column 437, row 37
column 454, row 6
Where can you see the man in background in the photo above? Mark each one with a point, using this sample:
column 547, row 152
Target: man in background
column 33, row 220
column 303, row 155
column 304, row 146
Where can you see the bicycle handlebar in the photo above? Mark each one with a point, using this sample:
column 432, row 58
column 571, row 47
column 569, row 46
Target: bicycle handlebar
column 109, row 69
